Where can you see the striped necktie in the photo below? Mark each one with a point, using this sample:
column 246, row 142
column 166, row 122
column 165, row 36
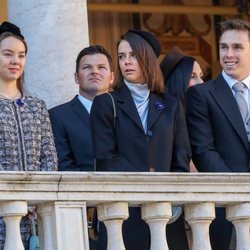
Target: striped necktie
column 238, row 87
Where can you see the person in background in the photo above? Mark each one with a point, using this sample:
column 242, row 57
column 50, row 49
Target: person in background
column 180, row 72
column 71, row 123
column 148, row 132
column 26, row 137
column 218, row 117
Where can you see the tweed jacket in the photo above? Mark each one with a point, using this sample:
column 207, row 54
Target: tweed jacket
column 26, row 139
column 26, row 144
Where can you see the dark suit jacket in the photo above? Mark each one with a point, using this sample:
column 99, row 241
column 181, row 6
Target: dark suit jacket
column 71, row 129
column 165, row 147
column 217, row 133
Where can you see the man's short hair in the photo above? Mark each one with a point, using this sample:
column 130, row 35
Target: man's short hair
column 91, row 50
column 235, row 24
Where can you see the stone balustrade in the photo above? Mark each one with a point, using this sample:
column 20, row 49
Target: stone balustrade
column 62, row 198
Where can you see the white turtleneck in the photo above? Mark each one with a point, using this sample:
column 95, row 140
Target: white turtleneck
column 140, row 94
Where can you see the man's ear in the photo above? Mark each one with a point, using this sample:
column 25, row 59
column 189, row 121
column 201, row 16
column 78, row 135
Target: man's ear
column 76, row 78
column 112, row 78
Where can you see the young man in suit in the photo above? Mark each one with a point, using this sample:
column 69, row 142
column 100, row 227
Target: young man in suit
column 218, row 127
column 70, row 121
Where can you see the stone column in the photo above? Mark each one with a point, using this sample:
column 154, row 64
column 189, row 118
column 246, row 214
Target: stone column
column 157, row 215
column 12, row 212
column 55, row 32
column 239, row 215
column 199, row 216
column 113, row 214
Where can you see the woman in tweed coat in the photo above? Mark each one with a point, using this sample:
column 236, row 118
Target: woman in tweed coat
column 26, row 140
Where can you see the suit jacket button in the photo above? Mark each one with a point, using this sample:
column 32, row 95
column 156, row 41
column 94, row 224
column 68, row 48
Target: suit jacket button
column 149, row 133
column 152, row 169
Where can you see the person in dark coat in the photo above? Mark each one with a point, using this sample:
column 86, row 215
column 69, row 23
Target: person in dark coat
column 180, row 72
column 70, row 121
column 218, row 133
column 143, row 130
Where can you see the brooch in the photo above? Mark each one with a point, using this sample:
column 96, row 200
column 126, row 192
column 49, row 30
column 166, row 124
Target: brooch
column 159, row 105
column 19, row 102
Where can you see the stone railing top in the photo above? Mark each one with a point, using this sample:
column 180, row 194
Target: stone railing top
column 136, row 188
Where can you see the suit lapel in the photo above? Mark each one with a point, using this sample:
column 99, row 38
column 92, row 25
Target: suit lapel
column 225, row 99
column 127, row 105
column 80, row 111
column 156, row 106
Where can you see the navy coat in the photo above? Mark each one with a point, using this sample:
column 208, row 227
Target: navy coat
column 123, row 145
column 218, row 140
column 120, row 144
column 71, row 129
column 217, row 133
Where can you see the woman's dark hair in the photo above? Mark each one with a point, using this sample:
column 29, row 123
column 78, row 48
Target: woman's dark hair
column 147, row 61
column 177, row 83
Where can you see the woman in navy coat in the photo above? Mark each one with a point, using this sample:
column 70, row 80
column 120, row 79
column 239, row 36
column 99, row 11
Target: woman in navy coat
column 143, row 130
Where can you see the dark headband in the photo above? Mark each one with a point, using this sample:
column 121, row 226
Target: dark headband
column 150, row 38
column 12, row 28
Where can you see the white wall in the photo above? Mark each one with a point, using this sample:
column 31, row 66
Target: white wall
column 55, row 30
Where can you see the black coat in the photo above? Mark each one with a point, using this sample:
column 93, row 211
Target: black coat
column 124, row 146
column 217, row 133
column 218, row 140
column 71, row 129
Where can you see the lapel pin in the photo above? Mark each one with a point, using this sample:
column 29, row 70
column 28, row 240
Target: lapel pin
column 159, row 105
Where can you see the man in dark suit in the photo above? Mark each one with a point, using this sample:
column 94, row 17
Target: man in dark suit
column 217, row 126
column 70, row 121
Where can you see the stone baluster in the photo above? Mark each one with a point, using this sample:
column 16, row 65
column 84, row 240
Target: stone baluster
column 113, row 214
column 239, row 215
column 199, row 216
column 12, row 212
column 157, row 215
column 45, row 216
